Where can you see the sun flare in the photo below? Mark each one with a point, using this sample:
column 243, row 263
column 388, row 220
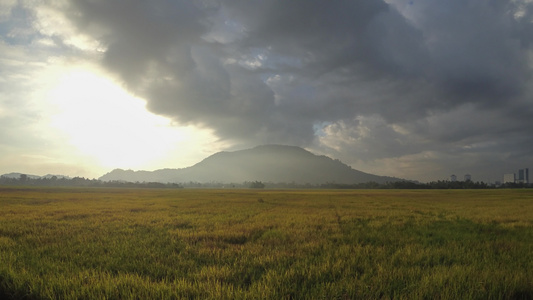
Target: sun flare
column 104, row 121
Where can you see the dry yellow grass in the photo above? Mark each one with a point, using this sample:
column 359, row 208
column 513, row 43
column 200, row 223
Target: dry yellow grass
column 74, row 243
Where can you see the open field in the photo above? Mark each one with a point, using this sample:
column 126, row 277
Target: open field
column 260, row 244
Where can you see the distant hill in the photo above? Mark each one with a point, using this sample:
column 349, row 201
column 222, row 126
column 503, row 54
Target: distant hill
column 30, row 176
column 268, row 163
column 17, row 175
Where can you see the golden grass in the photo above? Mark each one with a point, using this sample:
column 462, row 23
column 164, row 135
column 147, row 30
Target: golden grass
column 92, row 243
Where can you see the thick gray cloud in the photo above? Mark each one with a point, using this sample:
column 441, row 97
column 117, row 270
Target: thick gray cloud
column 361, row 80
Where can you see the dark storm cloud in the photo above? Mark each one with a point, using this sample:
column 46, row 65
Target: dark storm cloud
column 140, row 35
column 440, row 74
column 478, row 49
column 159, row 51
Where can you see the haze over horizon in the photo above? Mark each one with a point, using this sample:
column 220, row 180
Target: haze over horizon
column 412, row 89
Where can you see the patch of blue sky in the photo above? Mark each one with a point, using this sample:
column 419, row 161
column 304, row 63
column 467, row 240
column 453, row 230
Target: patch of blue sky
column 318, row 128
column 17, row 28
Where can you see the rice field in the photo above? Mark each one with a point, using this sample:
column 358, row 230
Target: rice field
column 106, row 243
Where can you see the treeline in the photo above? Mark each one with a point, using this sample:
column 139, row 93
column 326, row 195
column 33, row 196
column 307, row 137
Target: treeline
column 441, row 184
column 25, row 180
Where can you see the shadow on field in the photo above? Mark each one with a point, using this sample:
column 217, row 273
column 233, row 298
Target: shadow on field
column 7, row 294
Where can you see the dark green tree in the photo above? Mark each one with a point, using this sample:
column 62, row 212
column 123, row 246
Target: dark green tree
column 257, row 185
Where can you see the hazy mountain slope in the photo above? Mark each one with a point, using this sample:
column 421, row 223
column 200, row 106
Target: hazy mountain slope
column 269, row 163
column 17, row 175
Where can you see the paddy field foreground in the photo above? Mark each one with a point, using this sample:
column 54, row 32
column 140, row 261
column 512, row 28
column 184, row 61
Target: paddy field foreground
column 110, row 243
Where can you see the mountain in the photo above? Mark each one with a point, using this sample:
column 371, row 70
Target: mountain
column 268, row 163
column 17, row 176
column 47, row 176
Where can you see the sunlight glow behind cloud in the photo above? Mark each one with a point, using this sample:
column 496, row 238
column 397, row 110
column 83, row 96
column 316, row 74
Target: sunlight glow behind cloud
column 105, row 122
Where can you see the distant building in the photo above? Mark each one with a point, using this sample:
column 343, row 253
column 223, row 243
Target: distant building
column 509, row 178
column 523, row 176
column 453, row 178
column 468, row 177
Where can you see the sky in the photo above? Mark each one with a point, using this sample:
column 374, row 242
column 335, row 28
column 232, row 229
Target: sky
column 417, row 89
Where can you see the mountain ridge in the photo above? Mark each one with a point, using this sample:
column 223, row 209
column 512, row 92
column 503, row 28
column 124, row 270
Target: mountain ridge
column 16, row 175
column 266, row 163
